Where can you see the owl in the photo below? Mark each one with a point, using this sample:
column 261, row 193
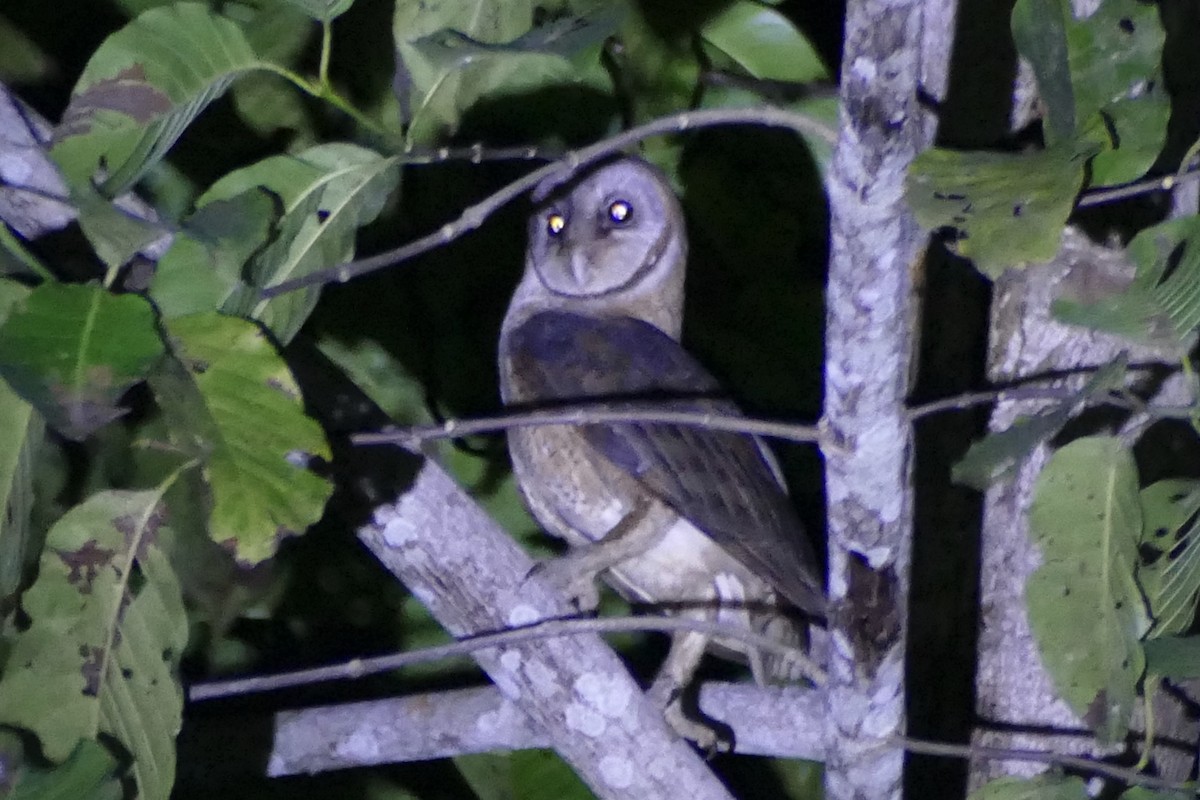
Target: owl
column 693, row 520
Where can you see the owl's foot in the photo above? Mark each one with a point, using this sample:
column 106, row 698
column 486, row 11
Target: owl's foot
column 574, row 579
column 668, row 693
column 708, row 737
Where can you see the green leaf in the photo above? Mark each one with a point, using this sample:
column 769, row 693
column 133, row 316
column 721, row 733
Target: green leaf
column 1176, row 657
column 1170, row 575
column 89, row 773
column 115, row 234
column 1142, row 793
column 107, row 630
column 1108, row 63
column 203, row 267
column 142, row 87
column 1116, row 64
column 72, row 350
column 1039, row 29
column 21, row 430
column 453, row 54
column 524, row 774
column 1008, row 210
column 280, row 34
column 1162, row 304
column 247, row 411
column 323, row 10
column 764, row 43
column 998, row 454
column 1043, row 787
column 326, row 194
column 1085, row 609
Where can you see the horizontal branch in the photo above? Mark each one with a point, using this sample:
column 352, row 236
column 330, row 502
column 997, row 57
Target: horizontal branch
column 413, row 436
column 591, row 414
column 464, row 721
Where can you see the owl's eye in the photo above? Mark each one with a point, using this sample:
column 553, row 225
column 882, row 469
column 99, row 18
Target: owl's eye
column 555, row 223
column 620, row 211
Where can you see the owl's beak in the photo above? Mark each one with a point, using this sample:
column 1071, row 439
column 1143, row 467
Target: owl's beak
column 581, row 266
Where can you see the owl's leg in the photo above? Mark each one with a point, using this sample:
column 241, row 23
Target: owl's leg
column 575, row 571
column 667, row 692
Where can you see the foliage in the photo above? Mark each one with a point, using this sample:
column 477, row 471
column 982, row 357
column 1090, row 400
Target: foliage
column 278, row 138
column 271, row 150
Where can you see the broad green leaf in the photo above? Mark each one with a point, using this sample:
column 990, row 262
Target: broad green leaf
column 433, row 100
column 382, row 378
column 142, row 87
column 1176, row 657
column 764, row 43
column 1085, row 609
column 1043, row 787
column 249, row 416
column 1039, row 30
column 279, row 33
column 324, row 10
column 1006, row 209
column 115, row 234
column 1116, row 66
column 1162, row 304
column 107, row 630
column 998, row 454
column 1142, row 793
column 1108, row 63
column 523, row 774
column 326, row 194
column 204, row 265
column 453, row 54
column 72, row 350
column 1170, row 575
column 21, row 430
column 89, row 773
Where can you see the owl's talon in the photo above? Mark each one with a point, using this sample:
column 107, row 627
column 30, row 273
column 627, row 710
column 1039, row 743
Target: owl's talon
column 709, row 739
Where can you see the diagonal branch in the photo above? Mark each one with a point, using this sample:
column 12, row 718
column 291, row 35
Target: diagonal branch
column 473, row 577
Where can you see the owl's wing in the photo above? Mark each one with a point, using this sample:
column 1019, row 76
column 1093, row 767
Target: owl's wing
column 720, row 481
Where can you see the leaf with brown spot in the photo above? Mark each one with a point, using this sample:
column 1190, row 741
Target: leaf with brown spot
column 142, row 88
column 72, row 350
column 101, row 653
column 247, row 411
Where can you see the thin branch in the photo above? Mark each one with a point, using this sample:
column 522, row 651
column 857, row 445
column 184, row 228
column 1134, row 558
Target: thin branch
column 474, row 216
column 361, row 667
column 591, row 414
column 1165, row 183
column 604, row 413
column 1089, row 765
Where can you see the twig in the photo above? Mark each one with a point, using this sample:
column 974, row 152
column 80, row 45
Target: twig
column 474, row 216
column 361, row 667
column 1165, row 183
column 591, row 414
column 1129, row 776
column 605, row 413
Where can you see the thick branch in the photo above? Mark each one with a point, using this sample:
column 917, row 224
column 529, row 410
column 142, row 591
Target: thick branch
column 870, row 349
column 473, row 577
column 478, row 720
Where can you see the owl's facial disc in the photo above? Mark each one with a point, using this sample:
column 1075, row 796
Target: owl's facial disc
column 602, row 234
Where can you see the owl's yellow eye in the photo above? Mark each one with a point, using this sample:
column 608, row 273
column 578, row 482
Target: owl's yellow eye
column 555, row 224
column 620, row 211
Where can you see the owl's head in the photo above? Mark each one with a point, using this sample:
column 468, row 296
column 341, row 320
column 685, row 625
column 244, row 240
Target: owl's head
column 611, row 229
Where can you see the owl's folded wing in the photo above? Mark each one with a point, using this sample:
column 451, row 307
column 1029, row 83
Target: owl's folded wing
column 721, row 482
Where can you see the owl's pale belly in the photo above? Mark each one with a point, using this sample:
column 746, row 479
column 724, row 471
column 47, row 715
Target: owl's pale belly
column 579, row 497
